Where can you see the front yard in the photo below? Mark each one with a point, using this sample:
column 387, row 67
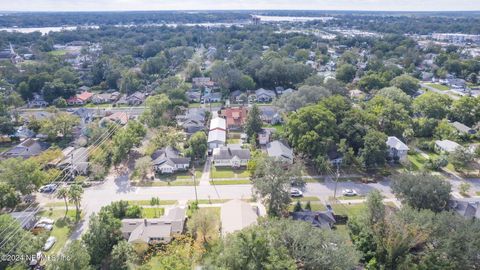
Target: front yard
column 225, row 173
column 62, row 228
column 438, row 86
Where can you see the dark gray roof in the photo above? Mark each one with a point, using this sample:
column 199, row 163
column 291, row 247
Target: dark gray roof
column 28, row 148
column 318, row 219
column 228, row 153
column 168, row 155
column 468, row 209
column 461, row 127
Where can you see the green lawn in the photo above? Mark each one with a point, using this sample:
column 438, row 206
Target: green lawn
column 230, row 182
column 438, row 86
column 278, row 128
column 58, row 52
column 179, row 176
column 234, row 141
column 229, row 173
column 147, row 202
column 347, row 198
column 417, row 161
column 306, row 199
column 350, row 210
column 62, row 228
column 155, row 212
column 211, row 201
column 162, row 183
column 477, row 193
column 58, row 204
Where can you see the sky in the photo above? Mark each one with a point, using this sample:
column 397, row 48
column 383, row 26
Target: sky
column 121, row 5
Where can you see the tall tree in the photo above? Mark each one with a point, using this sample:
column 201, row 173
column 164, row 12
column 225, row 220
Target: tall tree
column 422, row 191
column 62, row 193
column 203, row 224
column 271, row 182
column 374, row 150
column 254, row 123
column 78, row 258
column 123, row 256
column 102, row 235
column 75, row 193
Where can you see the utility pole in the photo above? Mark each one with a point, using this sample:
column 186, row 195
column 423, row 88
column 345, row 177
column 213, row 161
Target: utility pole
column 336, row 182
column 194, row 182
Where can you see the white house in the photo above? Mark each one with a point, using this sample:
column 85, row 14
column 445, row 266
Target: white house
column 230, row 157
column 216, row 138
column 168, row 160
column 397, row 149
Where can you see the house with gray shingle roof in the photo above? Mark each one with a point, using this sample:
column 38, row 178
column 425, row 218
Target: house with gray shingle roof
column 462, row 129
column 277, row 149
column 226, row 156
column 397, row 149
column 28, row 148
column 446, row 146
column 168, row 160
column 157, row 230
column 319, row 219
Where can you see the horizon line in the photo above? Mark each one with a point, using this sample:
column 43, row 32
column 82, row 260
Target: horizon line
column 215, row 10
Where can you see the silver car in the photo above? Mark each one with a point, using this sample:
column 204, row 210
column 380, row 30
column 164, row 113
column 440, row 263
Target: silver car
column 49, row 243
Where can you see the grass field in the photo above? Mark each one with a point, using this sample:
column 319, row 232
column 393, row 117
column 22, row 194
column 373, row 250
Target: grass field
column 162, row 183
column 234, row 141
column 179, row 176
column 152, row 212
column 230, row 182
column 217, row 173
column 58, row 52
column 147, row 202
column 350, row 210
column 417, row 161
column 438, row 86
column 278, row 128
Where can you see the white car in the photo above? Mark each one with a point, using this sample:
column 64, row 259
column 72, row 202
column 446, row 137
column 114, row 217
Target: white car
column 295, row 192
column 49, row 243
column 349, row 192
column 45, row 220
column 47, row 227
column 48, row 188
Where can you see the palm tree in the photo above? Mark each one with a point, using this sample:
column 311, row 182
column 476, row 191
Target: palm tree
column 75, row 194
column 62, row 193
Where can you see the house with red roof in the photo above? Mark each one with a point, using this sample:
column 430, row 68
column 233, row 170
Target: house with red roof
column 80, row 99
column 236, row 117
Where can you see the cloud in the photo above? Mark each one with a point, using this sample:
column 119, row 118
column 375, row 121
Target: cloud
column 95, row 5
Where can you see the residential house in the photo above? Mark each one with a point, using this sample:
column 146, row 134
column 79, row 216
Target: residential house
column 28, row 148
column 136, row 99
column 264, row 96
column 212, row 97
column 75, row 162
column 24, row 132
column 236, row 215
column 335, row 157
column 270, row 115
column 105, row 98
column 26, row 219
column 193, row 96
column 191, row 121
column 169, row 160
column 152, row 231
column 235, row 96
column 236, row 117
column 200, row 82
column 397, row 149
column 80, row 99
column 279, row 150
column 287, row 91
column 463, row 129
column 319, row 219
column 37, row 102
column 117, row 117
column 264, row 137
column 226, row 156
column 467, row 209
column 446, row 146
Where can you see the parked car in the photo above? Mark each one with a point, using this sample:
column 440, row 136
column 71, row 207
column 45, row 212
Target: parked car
column 349, row 192
column 49, row 243
column 35, row 261
column 48, row 188
column 41, row 227
column 295, row 192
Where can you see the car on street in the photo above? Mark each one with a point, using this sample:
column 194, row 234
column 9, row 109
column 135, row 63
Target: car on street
column 349, row 192
column 48, row 188
column 295, row 192
column 49, row 243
